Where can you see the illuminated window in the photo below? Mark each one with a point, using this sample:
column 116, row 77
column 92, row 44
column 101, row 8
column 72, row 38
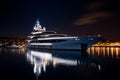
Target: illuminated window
column 77, row 39
column 91, row 38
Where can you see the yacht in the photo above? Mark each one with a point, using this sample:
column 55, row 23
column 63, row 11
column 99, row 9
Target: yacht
column 43, row 39
column 14, row 46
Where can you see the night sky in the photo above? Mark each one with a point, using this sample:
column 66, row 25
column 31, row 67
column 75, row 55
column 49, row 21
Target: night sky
column 71, row 17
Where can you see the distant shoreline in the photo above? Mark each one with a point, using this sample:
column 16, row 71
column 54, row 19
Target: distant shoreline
column 105, row 46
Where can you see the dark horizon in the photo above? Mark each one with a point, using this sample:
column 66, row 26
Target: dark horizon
column 76, row 17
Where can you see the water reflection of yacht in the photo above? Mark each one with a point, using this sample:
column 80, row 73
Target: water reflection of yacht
column 41, row 59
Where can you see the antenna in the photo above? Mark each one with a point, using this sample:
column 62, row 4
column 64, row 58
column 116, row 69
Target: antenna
column 37, row 22
column 44, row 28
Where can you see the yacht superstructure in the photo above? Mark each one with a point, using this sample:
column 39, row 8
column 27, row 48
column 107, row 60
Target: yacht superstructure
column 41, row 38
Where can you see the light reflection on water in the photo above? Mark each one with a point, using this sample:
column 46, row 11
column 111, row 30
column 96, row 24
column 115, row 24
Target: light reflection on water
column 41, row 59
column 12, row 50
column 107, row 52
column 47, row 64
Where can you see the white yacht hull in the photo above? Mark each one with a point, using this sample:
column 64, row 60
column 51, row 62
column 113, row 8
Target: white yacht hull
column 80, row 43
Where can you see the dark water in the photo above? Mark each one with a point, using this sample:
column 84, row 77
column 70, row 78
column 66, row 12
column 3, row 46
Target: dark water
column 98, row 63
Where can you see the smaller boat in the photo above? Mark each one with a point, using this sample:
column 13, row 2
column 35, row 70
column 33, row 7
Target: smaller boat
column 14, row 46
column 1, row 44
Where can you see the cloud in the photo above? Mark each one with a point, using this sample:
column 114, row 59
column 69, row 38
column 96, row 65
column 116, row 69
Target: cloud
column 94, row 12
column 92, row 18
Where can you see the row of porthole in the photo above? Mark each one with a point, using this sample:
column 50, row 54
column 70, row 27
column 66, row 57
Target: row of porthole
column 41, row 46
column 88, row 39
